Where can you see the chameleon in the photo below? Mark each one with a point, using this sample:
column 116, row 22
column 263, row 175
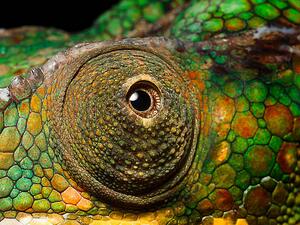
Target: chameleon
column 162, row 112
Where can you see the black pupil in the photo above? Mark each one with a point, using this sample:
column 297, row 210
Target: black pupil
column 142, row 102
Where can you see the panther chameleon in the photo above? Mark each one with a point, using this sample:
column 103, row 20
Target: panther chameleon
column 162, row 112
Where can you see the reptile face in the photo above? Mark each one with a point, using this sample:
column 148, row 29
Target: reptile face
column 200, row 126
column 129, row 137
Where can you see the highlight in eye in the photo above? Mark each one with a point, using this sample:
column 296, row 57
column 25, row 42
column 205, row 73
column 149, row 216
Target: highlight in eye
column 144, row 99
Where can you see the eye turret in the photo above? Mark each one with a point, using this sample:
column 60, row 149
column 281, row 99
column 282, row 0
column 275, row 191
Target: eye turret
column 124, row 125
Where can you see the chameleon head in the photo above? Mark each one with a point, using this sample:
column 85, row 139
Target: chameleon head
column 123, row 122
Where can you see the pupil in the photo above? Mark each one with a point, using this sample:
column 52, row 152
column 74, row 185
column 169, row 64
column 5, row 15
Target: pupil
column 140, row 100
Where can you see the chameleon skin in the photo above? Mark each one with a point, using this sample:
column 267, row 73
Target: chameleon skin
column 241, row 87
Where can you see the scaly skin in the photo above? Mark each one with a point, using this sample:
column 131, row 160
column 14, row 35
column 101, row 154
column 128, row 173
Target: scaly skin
column 219, row 146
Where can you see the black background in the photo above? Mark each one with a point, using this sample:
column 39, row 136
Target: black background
column 71, row 16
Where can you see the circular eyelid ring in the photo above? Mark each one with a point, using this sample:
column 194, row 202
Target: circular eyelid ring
column 143, row 97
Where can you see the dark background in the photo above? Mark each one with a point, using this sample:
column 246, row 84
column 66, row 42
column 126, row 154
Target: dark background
column 71, row 16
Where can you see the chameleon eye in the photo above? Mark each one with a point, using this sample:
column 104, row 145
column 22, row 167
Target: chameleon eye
column 144, row 99
column 123, row 122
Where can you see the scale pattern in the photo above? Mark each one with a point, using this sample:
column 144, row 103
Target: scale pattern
column 246, row 167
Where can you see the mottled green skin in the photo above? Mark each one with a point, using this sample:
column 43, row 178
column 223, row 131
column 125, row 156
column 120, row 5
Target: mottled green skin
column 246, row 103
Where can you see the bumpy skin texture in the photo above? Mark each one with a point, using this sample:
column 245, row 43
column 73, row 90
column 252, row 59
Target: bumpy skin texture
column 221, row 144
